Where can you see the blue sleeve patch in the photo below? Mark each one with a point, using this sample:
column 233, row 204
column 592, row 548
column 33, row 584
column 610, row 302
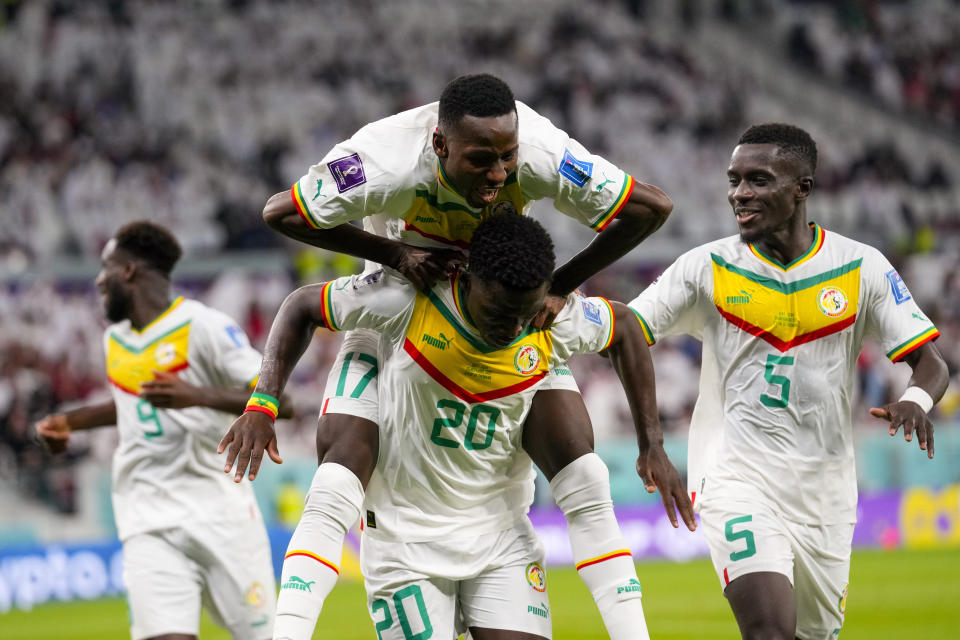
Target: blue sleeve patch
column 900, row 292
column 237, row 335
column 576, row 171
column 592, row 312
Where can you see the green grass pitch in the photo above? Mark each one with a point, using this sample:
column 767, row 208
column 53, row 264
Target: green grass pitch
column 895, row 595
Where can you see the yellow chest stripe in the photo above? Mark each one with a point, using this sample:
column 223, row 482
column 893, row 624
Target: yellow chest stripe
column 446, row 351
column 786, row 314
column 128, row 367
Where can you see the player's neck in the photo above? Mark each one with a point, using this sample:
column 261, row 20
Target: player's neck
column 148, row 305
column 788, row 244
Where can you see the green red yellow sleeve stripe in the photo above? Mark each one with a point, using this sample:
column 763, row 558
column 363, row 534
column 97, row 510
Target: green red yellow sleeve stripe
column 617, row 206
column 647, row 332
column 326, row 307
column 264, row 404
column 300, row 204
column 613, row 322
column 897, row 353
column 607, row 556
column 310, row 554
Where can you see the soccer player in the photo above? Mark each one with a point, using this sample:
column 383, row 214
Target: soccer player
column 446, row 532
column 179, row 371
column 422, row 181
column 782, row 310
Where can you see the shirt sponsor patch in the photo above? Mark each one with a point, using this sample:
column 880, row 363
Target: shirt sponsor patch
column 576, row 171
column 237, row 335
column 348, row 172
column 900, row 292
column 591, row 312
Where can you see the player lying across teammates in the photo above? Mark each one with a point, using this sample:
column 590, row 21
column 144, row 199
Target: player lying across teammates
column 782, row 310
column 178, row 371
column 447, row 544
column 422, row 181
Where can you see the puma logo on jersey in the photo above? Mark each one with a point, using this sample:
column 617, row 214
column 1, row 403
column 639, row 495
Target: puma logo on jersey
column 298, row 584
column 440, row 343
column 741, row 299
column 543, row 610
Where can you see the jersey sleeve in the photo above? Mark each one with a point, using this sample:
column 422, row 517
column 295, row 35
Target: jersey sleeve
column 584, row 325
column 350, row 183
column 227, row 353
column 676, row 302
column 380, row 301
column 894, row 318
column 582, row 185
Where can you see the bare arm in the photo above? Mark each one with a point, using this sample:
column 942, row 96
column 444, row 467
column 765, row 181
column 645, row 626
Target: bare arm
column 54, row 430
column 930, row 374
column 422, row 266
column 168, row 391
column 291, row 332
column 645, row 212
column 631, row 359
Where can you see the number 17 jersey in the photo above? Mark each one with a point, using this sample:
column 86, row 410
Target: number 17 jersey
column 780, row 348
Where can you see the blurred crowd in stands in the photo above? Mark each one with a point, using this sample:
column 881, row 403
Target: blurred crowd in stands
column 192, row 114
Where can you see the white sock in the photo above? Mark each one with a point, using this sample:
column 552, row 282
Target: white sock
column 582, row 491
column 312, row 564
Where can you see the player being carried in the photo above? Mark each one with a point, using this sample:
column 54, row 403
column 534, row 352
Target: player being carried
column 422, row 181
column 178, row 371
column 446, row 539
column 782, row 310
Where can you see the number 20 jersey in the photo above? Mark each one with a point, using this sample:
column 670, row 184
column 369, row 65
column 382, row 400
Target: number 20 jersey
column 451, row 407
column 780, row 348
column 166, row 471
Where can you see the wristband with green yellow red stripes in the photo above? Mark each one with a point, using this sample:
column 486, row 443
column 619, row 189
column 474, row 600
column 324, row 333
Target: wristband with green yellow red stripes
column 264, row 404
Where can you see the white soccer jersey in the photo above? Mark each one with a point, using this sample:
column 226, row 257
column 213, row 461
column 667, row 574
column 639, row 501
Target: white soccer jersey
column 166, row 471
column 451, row 407
column 780, row 347
column 389, row 175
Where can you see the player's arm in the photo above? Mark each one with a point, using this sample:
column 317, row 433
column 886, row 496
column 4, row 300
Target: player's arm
column 253, row 433
column 927, row 385
column 54, row 430
column 630, row 357
column 646, row 210
column 168, row 391
column 422, row 266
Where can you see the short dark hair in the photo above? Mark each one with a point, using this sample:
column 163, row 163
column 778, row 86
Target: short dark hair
column 794, row 141
column 512, row 249
column 481, row 95
column 151, row 243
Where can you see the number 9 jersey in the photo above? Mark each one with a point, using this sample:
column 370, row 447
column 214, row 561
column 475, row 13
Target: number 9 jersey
column 166, row 471
column 780, row 349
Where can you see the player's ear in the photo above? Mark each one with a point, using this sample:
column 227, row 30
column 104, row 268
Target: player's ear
column 440, row 144
column 804, row 187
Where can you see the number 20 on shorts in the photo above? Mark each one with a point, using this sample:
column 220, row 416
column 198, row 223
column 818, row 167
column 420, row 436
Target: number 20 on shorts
column 405, row 601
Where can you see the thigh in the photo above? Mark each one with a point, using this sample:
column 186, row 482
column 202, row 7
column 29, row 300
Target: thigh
column 821, row 577
column 239, row 584
column 163, row 586
column 557, row 430
column 510, row 595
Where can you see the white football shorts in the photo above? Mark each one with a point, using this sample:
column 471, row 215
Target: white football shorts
column 493, row 581
column 226, row 566
column 746, row 535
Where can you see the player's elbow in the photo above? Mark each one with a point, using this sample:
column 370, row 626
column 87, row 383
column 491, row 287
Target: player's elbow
column 277, row 211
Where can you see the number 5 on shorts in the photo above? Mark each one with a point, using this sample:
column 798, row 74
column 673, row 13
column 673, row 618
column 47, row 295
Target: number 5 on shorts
column 407, row 593
column 746, row 535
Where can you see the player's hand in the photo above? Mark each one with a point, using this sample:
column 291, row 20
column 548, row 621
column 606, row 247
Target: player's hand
column 424, row 266
column 168, row 391
column 54, row 432
column 552, row 305
column 912, row 418
column 657, row 472
column 249, row 436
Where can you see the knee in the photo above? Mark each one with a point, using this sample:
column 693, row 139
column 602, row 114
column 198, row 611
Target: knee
column 583, row 485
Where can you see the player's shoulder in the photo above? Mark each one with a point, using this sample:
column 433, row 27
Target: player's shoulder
column 537, row 135
column 843, row 250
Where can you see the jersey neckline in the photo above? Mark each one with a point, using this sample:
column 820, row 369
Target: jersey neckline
column 818, row 237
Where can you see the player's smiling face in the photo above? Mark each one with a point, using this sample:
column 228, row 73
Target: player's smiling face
column 764, row 189
column 478, row 154
column 500, row 313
